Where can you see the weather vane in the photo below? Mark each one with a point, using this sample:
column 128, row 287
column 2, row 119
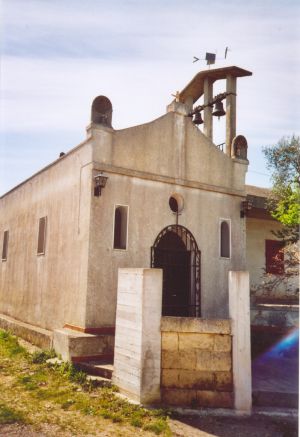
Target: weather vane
column 210, row 58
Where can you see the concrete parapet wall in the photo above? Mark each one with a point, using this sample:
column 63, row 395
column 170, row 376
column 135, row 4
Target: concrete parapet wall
column 35, row 335
column 239, row 311
column 282, row 316
column 137, row 353
column 196, row 362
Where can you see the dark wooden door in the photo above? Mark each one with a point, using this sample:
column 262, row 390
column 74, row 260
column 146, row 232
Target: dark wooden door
column 176, row 280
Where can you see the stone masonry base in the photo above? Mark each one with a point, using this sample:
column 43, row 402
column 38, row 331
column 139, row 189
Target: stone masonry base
column 196, row 362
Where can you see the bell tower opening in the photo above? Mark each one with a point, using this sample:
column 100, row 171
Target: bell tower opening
column 202, row 86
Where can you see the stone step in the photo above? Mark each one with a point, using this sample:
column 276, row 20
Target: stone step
column 275, row 399
column 100, row 381
column 96, row 368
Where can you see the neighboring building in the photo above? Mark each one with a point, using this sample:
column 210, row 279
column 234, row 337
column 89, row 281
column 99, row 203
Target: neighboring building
column 262, row 245
column 265, row 258
column 172, row 200
column 274, row 294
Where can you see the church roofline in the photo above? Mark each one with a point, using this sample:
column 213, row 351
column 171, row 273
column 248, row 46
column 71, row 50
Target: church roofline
column 51, row 164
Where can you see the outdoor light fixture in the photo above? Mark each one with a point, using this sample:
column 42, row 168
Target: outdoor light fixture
column 100, row 182
column 246, row 206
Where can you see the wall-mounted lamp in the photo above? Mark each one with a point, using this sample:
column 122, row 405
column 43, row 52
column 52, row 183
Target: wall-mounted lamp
column 99, row 183
column 246, row 206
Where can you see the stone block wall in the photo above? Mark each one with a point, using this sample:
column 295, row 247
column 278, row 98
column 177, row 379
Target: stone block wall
column 196, row 362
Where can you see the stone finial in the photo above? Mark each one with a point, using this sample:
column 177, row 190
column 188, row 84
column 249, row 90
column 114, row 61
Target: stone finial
column 102, row 111
column 239, row 147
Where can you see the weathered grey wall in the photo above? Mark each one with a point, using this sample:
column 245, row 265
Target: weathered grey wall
column 148, row 164
column 48, row 290
column 149, row 213
column 170, row 146
column 76, row 281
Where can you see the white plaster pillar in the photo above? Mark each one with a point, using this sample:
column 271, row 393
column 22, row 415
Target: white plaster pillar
column 189, row 103
column 208, row 96
column 239, row 312
column 230, row 112
column 137, row 357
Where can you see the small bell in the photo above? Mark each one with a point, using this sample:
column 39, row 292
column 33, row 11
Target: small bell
column 218, row 110
column 198, row 119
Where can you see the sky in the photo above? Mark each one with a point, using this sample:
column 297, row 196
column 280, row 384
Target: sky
column 58, row 55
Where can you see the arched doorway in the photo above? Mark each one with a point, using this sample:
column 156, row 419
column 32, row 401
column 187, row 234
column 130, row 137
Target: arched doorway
column 176, row 252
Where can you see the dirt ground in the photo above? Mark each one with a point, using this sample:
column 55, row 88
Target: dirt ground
column 254, row 426
column 188, row 426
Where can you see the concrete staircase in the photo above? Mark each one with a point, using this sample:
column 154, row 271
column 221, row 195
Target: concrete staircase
column 98, row 371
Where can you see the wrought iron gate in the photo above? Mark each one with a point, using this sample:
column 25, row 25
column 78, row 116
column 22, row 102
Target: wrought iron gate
column 175, row 251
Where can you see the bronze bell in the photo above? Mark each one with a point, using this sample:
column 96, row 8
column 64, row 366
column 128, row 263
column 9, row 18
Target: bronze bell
column 198, row 119
column 218, row 110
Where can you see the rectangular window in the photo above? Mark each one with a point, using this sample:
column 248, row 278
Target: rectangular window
column 120, row 227
column 5, row 245
column 274, row 257
column 42, row 236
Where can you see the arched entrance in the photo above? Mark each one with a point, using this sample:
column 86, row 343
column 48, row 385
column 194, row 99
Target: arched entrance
column 176, row 252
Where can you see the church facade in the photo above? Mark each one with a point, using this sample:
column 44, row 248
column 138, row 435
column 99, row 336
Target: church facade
column 158, row 195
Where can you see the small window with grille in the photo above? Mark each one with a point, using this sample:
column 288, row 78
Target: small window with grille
column 225, row 238
column 42, row 236
column 5, row 245
column 120, row 227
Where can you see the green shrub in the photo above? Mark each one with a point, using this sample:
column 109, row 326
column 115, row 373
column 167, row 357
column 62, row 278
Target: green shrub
column 73, row 374
column 10, row 415
column 136, row 421
column 9, row 345
column 40, row 357
column 157, row 426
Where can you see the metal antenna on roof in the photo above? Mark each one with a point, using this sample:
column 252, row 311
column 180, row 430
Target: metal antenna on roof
column 226, row 51
column 210, row 58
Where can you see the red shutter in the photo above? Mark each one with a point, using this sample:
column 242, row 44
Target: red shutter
column 274, row 257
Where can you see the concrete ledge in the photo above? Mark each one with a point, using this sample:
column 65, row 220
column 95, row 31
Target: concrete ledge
column 193, row 324
column 79, row 346
column 35, row 335
column 275, row 399
column 102, row 330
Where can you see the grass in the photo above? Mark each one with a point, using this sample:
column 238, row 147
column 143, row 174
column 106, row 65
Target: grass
column 10, row 415
column 9, row 345
column 49, row 392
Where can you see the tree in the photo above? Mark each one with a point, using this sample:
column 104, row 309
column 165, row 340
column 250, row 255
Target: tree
column 283, row 159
